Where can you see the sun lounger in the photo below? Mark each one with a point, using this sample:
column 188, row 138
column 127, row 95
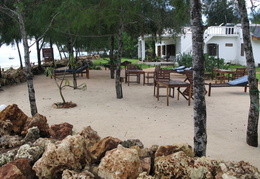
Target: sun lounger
column 181, row 69
column 81, row 70
column 242, row 81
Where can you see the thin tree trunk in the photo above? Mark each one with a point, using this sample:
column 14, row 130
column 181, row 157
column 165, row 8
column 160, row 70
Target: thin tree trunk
column 19, row 53
column 200, row 132
column 112, row 60
column 29, row 76
column 253, row 115
column 38, row 54
column 119, row 90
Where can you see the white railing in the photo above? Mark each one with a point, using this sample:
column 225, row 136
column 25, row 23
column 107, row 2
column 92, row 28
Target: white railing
column 220, row 30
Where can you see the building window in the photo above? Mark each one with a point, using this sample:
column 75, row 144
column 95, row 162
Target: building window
column 229, row 45
column 212, row 49
column 163, row 50
column 171, row 50
column 242, row 52
column 159, row 50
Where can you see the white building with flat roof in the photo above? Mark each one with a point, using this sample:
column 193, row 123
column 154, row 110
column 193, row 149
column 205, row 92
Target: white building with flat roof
column 220, row 41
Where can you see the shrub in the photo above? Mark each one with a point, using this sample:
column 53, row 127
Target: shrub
column 211, row 62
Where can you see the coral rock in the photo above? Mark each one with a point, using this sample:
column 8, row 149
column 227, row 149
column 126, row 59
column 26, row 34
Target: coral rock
column 16, row 116
column 120, row 163
column 5, row 127
column 99, row 149
column 170, row 149
column 32, row 153
column 144, row 175
column 39, row 121
column 32, row 135
column 7, row 156
column 132, row 142
column 69, row 174
column 20, row 168
column 146, row 164
column 172, row 166
column 60, row 131
column 8, row 141
column 43, row 142
column 237, row 170
column 66, row 154
column 91, row 136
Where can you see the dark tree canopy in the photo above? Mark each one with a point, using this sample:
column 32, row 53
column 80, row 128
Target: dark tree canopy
column 220, row 12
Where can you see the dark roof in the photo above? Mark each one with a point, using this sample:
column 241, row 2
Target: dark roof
column 255, row 31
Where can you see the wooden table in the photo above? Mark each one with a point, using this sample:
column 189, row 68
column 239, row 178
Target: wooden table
column 173, row 84
column 135, row 72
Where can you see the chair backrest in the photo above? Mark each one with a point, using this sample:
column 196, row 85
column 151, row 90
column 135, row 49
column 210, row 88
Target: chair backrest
column 189, row 76
column 240, row 72
column 132, row 67
column 162, row 75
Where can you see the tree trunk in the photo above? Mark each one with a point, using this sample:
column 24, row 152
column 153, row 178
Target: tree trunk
column 112, row 60
column 19, row 53
column 72, row 62
column 38, row 54
column 29, row 76
column 253, row 116
column 119, row 91
column 200, row 132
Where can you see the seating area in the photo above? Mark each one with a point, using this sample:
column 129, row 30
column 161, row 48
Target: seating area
column 165, row 78
column 222, row 78
column 80, row 70
column 133, row 71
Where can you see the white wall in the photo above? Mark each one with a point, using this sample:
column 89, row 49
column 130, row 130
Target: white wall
column 228, row 53
column 256, row 51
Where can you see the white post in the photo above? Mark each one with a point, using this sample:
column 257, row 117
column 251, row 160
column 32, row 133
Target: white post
column 139, row 49
column 143, row 49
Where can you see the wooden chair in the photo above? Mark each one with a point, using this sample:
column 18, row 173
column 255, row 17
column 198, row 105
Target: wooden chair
column 240, row 72
column 127, row 74
column 218, row 76
column 189, row 78
column 161, row 75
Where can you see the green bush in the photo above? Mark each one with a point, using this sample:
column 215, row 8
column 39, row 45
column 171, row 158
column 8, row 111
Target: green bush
column 211, row 62
column 185, row 60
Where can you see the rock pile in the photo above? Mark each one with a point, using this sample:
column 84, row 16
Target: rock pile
column 12, row 76
column 30, row 148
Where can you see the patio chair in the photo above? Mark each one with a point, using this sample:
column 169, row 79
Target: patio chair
column 133, row 70
column 80, row 70
column 185, row 93
column 161, row 75
column 240, row 72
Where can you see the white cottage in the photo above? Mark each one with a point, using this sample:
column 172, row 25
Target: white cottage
column 221, row 41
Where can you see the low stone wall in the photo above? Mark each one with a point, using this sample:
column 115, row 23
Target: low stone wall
column 30, row 148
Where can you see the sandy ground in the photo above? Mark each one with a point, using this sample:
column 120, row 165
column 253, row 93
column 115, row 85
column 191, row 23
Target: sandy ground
column 140, row 115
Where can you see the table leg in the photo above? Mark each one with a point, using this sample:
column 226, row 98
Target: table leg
column 167, row 95
column 128, row 79
column 189, row 96
column 143, row 78
column 157, row 95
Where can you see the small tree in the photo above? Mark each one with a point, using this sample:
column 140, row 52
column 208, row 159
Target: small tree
column 61, row 84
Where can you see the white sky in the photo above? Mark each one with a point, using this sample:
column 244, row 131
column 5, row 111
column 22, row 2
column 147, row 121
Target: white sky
column 255, row 2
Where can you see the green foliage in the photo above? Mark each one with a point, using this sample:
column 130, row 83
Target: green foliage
column 255, row 17
column 218, row 12
column 211, row 62
column 185, row 60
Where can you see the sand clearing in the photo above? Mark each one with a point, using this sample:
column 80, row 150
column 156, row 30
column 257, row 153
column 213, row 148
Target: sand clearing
column 140, row 115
